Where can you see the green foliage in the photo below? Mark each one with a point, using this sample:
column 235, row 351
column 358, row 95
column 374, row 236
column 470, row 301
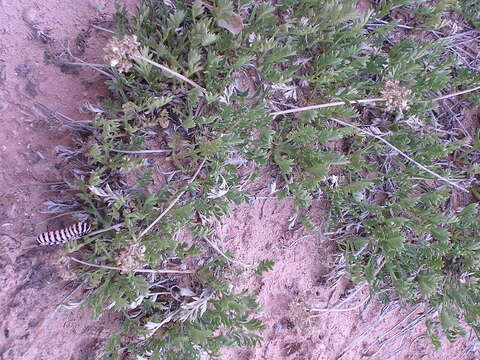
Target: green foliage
column 405, row 236
column 470, row 10
column 263, row 266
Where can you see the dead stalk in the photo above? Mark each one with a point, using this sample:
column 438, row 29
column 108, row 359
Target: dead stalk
column 42, row 184
column 163, row 271
column 117, row 226
column 103, row 29
column 171, row 72
column 140, row 152
column 461, row 188
column 412, row 312
column 401, row 332
column 356, row 340
column 96, row 67
column 172, row 204
column 362, row 101
column 113, row 227
column 217, row 249
column 321, row 106
column 456, row 94
column 351, row 296
column 358, row 306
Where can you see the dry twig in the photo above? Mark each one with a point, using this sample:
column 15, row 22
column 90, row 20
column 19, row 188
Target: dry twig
column 113, row 227
column 152, row 271
column 448, row 96
column 228, row 258
column 172, row 204
column 170, row 71
column 356, row 340
column 321, row 106
column 140, row 152
column 351, row 296
column 344, row 123
column 362, row 101
column 358, row 306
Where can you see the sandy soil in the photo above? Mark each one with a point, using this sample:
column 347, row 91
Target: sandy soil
column 32, row 284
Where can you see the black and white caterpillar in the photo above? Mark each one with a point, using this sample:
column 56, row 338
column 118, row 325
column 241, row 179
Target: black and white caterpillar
column 61, row 236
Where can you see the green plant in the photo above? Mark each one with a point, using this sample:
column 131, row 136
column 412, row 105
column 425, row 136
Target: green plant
column 407, row 236
column 470, row 9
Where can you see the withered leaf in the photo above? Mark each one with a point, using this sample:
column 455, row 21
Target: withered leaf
column 234, row 24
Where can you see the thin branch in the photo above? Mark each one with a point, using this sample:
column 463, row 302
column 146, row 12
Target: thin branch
column 295, row 242
column 461, row 188
column 171, row 72
column 403, row 331
column 456, row 94
column 341, row 310
column 56, row 114
column 228, row 258
column 362, row 101
column 336, row 308
column 396, row 351
column 163, row 271
column 321, row 106
column 113, row 227
column 103, row 29
column 139, row 152
column 353, row 294
column 365, row 333
column 84, row 63
column 70, row 295
column 172, row 204
column 42, row 184
column 413, row 311
column 416, row 338
column 94, row 67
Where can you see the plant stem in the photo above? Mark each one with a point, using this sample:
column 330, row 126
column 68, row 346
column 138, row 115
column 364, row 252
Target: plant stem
column 171, row 72
column 456, row 94
column 172, row 204
column 103, row 29
column 163, row 271
column 228, row 258
column 362, row 101
column 113, row 227
column 139, row 152
column 321, row 106
column 344, row 123
column 358, row 306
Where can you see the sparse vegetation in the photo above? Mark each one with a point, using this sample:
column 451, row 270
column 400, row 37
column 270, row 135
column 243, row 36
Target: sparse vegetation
column 470, row 9
column 398, row 226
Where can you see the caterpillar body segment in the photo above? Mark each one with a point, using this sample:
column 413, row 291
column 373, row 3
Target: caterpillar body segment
column 72, row 232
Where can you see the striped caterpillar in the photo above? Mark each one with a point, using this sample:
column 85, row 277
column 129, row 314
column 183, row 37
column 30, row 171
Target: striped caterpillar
column 72, row 232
